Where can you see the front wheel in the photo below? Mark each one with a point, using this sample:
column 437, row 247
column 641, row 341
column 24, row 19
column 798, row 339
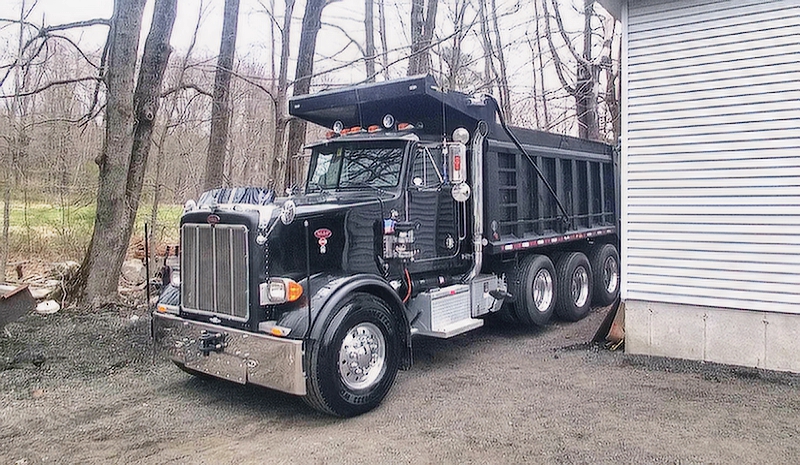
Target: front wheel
column 354, row 364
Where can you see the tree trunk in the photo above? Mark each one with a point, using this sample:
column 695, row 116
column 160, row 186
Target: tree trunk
column 369, row 59
column 612, row 75
column 384, row 45
column 160, row 154
column 486, row 41
column 101, row 265
column 586, row 82
column 279, row 157
column 220, row 111
column 540, row 59
column 502, row 86
column 423, row 22
column 7, row 160
column 312, row 22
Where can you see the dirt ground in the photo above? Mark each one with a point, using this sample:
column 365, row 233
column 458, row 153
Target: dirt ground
column 86, row 389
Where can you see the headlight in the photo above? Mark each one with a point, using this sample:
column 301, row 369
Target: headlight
column 175, row 278
column 279, row 290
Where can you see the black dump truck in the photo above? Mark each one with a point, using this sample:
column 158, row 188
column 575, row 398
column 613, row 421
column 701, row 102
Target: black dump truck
column 422, row 214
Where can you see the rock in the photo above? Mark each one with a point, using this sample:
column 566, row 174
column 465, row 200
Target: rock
column 47, row 307
column 134, row 272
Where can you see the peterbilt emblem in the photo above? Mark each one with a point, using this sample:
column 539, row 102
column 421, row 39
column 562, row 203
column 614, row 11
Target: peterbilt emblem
column 323, row 233
column 212, row 219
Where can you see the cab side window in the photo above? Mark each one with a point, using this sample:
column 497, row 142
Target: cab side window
column 427, row 168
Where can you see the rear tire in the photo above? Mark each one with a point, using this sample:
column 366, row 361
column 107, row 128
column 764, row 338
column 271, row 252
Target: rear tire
column 533, row 288
column 573, row 286
column 354, row 364
column 604, row 259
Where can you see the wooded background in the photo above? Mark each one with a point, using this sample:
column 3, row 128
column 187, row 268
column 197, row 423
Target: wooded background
column 131, row 123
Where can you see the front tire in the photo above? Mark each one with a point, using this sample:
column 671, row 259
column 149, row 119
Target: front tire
column 574, row 286
column 354, row 364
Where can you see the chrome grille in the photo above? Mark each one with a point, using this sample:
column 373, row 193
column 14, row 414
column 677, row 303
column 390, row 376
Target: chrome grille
column 214, row 271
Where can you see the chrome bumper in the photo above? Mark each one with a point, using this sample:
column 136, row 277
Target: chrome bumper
column 239, row 356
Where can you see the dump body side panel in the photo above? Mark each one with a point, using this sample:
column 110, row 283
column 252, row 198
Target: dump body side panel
column 521, row 212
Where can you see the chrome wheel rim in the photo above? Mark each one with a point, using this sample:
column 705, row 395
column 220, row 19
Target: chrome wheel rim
column 362, row 356
column 580, row 286
column 542, row 290
column 610, row 275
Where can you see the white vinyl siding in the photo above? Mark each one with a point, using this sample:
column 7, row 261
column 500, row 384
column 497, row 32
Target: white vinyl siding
column 711, row 153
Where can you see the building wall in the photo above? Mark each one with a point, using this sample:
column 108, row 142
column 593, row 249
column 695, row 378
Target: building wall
column 711, row 179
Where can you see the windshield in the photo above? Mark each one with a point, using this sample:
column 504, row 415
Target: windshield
column 339, row 166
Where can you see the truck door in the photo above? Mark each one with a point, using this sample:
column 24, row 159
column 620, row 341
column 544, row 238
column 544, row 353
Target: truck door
column 431, row 206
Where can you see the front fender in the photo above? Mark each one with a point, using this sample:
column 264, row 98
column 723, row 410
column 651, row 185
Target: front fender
column 328, row 291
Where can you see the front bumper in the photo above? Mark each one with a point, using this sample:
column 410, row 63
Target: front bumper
column 239, row 356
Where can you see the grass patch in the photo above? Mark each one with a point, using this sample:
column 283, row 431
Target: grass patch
column 55, row 233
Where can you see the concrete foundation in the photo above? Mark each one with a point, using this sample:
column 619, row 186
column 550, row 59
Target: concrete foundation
column 736, row 337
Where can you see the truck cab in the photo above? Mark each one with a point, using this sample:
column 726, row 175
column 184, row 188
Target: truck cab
column 395, row 234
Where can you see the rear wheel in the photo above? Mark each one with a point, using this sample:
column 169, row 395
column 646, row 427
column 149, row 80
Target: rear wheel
column 533, row 288
column 604, row 259
column 354, row 364
column 573, row 286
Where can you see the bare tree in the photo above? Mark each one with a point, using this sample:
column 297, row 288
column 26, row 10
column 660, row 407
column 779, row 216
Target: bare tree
column 537, row 60
column 312, row 22
column 14, row 144
column 280, row 115
column 585, row 88
column 220, row 110
column 423, row 23
column 171, row 105
column 382, row 34
column 130, row 112
column 369, row 45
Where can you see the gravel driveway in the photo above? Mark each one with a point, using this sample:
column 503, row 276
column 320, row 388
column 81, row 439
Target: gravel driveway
column 85, row 389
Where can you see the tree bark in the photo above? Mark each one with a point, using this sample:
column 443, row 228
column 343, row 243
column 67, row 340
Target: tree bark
column 279, row 158
column 505, row 93
column 9, row 157
column 101, row 265
column 369, row 28
column 220, row 107
column 384, row 45
column 587, row 74
column 160, row 154
column 312, row 22
column 423, row 22
column 586, row 83
column 540, row 59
